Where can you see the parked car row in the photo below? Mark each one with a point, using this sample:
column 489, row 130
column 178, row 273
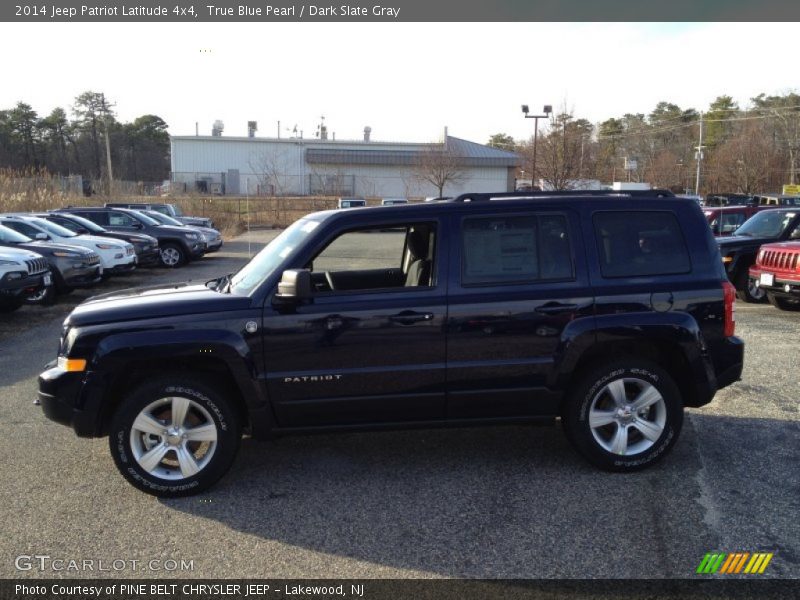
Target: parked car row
column 761, row 255
column 50, row 253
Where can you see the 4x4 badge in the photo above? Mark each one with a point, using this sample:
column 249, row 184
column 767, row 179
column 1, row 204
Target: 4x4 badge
column 251, row 327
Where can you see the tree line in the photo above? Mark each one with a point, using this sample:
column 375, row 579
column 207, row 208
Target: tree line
column 74, row 143
column 748, row 149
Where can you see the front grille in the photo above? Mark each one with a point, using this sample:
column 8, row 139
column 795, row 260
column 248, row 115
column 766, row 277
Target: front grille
column 37, row 266
column 93, row 259
column 781, row 260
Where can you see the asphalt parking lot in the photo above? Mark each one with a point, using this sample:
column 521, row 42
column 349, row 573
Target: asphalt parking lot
column 503, row 502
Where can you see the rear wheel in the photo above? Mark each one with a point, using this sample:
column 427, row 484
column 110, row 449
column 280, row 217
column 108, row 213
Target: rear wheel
column 624, row 415
column 174, row 437
column 172, row 255
column 783, row 303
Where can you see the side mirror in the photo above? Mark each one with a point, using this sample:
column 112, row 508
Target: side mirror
column 294, row 287
column 42, row 236
column 138, row 225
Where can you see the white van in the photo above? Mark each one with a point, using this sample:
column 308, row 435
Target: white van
column 351, row 202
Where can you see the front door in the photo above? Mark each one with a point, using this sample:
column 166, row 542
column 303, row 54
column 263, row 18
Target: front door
column 370, row 346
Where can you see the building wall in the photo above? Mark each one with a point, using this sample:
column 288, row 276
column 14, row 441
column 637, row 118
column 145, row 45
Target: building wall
column 279, row 167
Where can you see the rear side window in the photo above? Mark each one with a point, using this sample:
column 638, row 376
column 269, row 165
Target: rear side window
column 640, row 243
column 516, row 249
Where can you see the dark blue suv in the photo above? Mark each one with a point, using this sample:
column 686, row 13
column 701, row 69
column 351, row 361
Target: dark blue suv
column 608, row 311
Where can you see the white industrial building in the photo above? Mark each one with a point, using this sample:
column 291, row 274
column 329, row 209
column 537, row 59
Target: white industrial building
column 300, row 167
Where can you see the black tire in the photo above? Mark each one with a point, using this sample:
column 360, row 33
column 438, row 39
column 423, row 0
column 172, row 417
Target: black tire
column 166, row 477
column 662, row 419
column 172, row 255
column 45, row 297
column 783, row 303
column 746, row 289
column 10, row 304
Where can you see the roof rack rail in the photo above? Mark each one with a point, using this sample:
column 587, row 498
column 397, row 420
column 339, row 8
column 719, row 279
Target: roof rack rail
column 484, row 197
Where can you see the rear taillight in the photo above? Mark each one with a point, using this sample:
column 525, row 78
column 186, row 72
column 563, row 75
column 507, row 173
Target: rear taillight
column 729, row 293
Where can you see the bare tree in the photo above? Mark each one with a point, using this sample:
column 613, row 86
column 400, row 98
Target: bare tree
column 743, row 162
column 562, row 151
column 269, row 166
column 439, row 167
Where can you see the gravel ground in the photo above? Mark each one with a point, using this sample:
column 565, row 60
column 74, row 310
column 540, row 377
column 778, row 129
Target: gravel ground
column 511, row 502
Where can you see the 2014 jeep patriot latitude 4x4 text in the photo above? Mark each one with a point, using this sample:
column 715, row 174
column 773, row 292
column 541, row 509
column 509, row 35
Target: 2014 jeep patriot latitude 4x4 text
column 610, row 311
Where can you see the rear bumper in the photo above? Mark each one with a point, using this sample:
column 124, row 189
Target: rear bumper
column 730, row 362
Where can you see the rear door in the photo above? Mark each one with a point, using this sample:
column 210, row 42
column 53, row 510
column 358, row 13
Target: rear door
column 518, row 282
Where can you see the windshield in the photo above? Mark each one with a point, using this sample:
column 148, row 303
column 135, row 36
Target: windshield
column 9, row 236
column 52, row 228
column 163, row 219
column 768, row 224
column 85, row 223
column 144, row 218
column 265, row 262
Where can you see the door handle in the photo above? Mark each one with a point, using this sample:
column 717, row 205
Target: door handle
column 553, row 308
column 410, row 317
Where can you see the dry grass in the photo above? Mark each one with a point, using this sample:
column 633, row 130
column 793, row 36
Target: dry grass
column 37, row 191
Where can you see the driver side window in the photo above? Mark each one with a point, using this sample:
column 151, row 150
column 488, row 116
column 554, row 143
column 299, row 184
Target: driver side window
column 378, row 258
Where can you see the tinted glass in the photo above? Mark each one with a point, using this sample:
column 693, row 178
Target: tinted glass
column 9, row 236
column 640, row 243
column 516, row 249
column 769, row 224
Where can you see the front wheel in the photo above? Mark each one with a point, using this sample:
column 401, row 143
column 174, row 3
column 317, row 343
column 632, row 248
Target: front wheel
column 172, row 255
column 624, row 415
column 174, row 437
column 783, row 303
column 747, row 290
column 44, row 297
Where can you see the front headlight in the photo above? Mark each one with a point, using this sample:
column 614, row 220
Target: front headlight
column 63, row 254
column 10, row 263
column 107, row 247
column 190, row 236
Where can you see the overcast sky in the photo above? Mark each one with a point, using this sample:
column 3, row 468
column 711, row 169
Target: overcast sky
column 405, row 80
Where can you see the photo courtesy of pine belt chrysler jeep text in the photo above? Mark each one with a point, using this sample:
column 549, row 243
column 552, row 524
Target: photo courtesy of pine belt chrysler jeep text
column 609, row 311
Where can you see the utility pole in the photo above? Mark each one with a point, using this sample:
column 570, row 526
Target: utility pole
column 699, row 156
column 547, row 110
column 108, row 145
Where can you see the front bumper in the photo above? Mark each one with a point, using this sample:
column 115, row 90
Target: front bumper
column 784, row 285
column 72, row 399
column 82, row 276
column 26, row 285
column 197, row 249
column 148, row 258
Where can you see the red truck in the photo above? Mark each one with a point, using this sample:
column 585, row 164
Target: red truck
column 777, row 272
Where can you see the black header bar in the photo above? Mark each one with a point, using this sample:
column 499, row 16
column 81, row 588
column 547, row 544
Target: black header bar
column 266, row 11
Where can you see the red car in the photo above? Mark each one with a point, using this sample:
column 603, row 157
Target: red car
column 777, row 272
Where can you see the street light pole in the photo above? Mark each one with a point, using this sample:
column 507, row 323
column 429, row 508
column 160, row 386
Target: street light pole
column 547, row 110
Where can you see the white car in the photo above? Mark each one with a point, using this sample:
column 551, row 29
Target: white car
column 116, row 256
column 23, row 274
